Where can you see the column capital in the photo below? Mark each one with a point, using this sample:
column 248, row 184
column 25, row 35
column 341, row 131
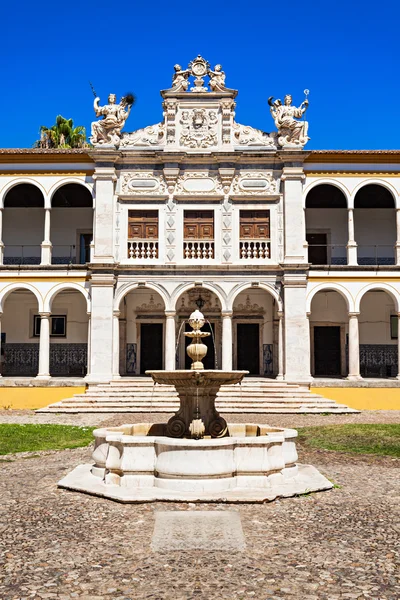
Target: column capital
column 116, row 313
column 227, row 314
column 353, row 314
column 280, row 314
column 45, row 315
column 170, row 314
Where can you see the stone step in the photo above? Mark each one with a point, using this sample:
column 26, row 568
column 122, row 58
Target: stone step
column 337, row 409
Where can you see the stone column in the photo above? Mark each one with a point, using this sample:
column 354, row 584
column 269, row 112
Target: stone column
column 280, row 375
column 105, row 178
column 101, row 359
column 397, row 245
column 351, row 244
column 89, row 345
column 1, row 238
column 296, row 329
column 44, row 347
column 354, row 348
column 170, row 341
column 294, row 214
column 116, row 373
column 226, row 340
column 46, row 244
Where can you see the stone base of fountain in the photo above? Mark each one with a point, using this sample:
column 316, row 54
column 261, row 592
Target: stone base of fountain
column 138, row 463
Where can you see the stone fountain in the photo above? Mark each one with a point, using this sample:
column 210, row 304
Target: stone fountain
column 197, row 456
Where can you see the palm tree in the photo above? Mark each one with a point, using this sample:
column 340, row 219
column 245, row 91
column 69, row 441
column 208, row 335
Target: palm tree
column 62, row 134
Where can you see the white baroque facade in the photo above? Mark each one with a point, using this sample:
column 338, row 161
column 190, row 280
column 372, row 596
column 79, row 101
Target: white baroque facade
column 293, row 254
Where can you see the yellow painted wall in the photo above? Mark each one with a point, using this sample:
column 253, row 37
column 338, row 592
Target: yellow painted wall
column 35, row 397
column 363, row 398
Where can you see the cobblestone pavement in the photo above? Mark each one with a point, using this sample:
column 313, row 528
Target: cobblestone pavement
column 93, row 419
column 327, row 546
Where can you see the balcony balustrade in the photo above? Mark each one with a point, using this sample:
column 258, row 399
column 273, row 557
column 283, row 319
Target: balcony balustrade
column 198, row 249
column 254, row 249
column 143, row 249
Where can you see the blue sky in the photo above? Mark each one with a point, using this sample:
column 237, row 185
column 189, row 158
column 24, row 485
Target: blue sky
column 345, row 52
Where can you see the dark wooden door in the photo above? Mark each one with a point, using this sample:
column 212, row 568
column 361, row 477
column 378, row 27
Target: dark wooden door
column 327, row 351
column 151, row 346
column 248, row 347
column 317, row 248
column 209, row 359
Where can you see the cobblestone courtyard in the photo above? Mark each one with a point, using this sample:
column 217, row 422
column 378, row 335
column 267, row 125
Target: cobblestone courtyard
column 338, row 544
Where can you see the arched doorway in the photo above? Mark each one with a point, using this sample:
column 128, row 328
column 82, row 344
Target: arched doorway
column 209, row 304
column 375, row 225
column 328, row 334
column 71, row 224
column 141, row 332
column 378, row 332
column 23, row 225
column 326, row 225
column 19, row 340
column 68, row 334
column 255, row 333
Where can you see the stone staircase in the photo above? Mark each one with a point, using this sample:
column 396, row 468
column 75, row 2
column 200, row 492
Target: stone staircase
column 254, row 395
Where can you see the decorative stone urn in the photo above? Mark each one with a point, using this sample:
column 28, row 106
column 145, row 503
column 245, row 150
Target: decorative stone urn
column 196, row 349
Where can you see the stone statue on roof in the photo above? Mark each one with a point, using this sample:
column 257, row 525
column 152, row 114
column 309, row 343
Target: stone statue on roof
column 108, row 129
column 292, row 133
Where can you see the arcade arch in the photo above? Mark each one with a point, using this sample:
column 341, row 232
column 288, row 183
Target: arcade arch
column 257, row 333
column 139, row 332
column 326, row 225
column 329, row 328
column 375, row 225
column 23, row 225
column 71, row 229
column 378, row 334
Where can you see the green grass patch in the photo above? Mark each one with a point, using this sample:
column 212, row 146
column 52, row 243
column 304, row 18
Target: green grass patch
column 383, row 440
column 30, row 438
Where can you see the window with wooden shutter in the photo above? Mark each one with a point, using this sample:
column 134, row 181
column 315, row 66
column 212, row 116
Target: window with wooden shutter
column 254, row 234
column 198, row 234
column 143, row 234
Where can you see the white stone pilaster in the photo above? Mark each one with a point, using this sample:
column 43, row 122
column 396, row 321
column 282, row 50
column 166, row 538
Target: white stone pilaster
column 170, row 341
column 46, row 244
column 351, row 244
column 105, row 178
column 354, row 348
column 280, row 375
column 227, row 340
column 116, row 373
column 101, row 359
column 296, row 329
column 294, row 218
column 89, row 343
column 44, row 347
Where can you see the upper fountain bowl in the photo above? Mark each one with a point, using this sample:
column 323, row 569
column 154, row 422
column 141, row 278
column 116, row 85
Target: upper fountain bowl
column 204, row 378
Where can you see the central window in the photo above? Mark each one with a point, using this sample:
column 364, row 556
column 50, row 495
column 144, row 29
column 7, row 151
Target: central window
column 143, row 234
column 255, row 239
column 58, row 325
column 198, row 234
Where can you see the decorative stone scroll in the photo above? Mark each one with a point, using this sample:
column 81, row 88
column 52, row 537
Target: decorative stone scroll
column 245, row 135
column 153, row 135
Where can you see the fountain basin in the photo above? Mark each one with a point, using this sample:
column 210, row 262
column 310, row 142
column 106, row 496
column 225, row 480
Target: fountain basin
column 197, row 391
column 137, row 463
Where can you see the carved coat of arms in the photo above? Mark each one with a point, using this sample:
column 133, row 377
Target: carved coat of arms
column 199, row 128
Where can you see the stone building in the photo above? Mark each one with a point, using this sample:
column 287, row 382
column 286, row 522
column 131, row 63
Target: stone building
column 293, row 255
